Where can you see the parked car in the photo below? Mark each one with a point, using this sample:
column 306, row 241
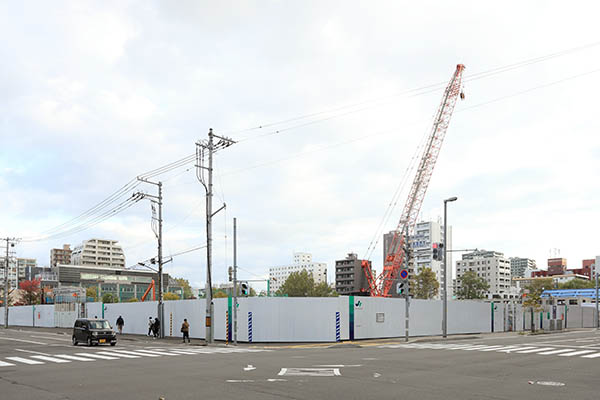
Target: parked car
column 93, row 332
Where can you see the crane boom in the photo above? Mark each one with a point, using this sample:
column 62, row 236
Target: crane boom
column 381, row 286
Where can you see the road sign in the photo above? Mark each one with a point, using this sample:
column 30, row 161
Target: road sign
column 404, row 274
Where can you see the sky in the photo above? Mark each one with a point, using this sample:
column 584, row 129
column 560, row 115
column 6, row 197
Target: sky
column 93, row 94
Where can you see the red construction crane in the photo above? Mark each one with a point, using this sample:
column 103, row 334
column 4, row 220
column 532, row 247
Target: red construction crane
column 381, row 286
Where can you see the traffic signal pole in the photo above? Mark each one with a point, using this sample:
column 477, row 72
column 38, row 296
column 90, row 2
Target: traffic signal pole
column 235, row 281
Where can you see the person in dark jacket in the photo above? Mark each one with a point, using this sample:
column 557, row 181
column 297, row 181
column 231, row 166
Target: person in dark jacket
column 120, row 323
column 185, row 329
column 156, row 327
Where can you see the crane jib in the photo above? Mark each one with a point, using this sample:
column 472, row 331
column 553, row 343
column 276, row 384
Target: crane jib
column 381, row 286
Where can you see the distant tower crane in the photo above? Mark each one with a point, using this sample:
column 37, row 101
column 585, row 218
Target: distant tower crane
column 381, row 286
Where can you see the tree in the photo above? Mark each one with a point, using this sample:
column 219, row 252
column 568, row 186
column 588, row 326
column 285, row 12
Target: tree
column 109, row 298
column 30, row 291
column 577, row 284
column 91, row 292
column 252, row 292
column 472, row 286
column 298, row 284
column 323, row 290
column 425, row 285
column 302, row 284
column 170, row 296
column 219, row 294
column 187, row 288
column 133, row 300
column 533, row 292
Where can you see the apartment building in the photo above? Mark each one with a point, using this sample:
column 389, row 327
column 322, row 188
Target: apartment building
column 302, row 261
column 492, row 266
column 522, row 267
column 350, row 278
column 61, row 256
column 99, row 253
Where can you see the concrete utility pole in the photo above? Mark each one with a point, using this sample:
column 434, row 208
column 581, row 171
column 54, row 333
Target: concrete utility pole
column 445, row 272
column 157, row 200
column 9, row 243
column 597, row 316
column 235, row 330
column 210, row 147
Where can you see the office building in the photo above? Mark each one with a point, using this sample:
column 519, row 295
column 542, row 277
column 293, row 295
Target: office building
column 521, row 267
column 302, row 261
column 491, row 266
column 421, row 245
column 61, row 256
column 19, row 269
column 99, row 253
column 350, row 278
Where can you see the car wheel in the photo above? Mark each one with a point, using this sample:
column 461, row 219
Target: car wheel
column 112, row 344
column 74, row 341
column 89, row 342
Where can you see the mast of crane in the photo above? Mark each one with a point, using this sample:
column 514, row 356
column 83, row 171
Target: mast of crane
column 381, row 286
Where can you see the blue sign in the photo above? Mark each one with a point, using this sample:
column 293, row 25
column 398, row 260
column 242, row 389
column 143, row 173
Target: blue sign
column 404, row 274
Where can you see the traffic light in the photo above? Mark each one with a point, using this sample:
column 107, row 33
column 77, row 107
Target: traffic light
column 230, row 274
column 436, row 253
column 402, row 287
column 441, row 251
column 245, row 288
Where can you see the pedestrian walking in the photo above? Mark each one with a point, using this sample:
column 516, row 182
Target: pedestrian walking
column 150, row 326
column 120, row 323
column 156, row 327
column 185, row 329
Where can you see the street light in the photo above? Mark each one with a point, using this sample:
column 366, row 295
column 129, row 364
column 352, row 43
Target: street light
column 445, row 288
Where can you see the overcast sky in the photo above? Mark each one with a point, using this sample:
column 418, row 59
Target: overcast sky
column 93, row 94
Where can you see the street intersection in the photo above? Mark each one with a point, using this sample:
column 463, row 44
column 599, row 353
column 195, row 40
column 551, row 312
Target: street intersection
column 45, row 365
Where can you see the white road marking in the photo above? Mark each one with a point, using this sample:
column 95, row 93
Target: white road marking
column 250, row 367
column 310, row 372
column 536, row 350
column 108, row 353
column 182, row 352
column 576, row 353
column 338, row 366
column 276, row 380
column 500, row 348
column 24, row 360
column 51, row 359
column 592, row 355
column 475, row 348
column 74, row 358
column 5, row 364
column 239, row 380
column 31, row 351
column 98, row 356
column 134, row 353
column 21, row 340
column 376, row 375
column 51, row 338
column 548, row 353
column 155, row 352
column 514, row 349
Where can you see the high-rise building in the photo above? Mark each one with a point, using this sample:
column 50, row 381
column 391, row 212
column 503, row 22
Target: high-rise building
column 302, row 261
column 350, row 278
column 99, row 253
column 421, row 245
column 18, row 269
column 61, row 256
column 521, row 267
column 491, row 266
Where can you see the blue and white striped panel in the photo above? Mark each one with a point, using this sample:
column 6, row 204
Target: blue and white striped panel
column 249, row 326
column 337, row 326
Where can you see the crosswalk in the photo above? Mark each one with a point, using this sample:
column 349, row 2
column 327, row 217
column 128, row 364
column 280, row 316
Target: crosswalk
column 117, row 354
column 508, row 349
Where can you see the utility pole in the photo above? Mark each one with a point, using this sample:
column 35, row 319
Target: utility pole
column 407, row 293
column 210, row 147
column 597, row 315
column 445, row 272
column 10, row 242
column 157, row 200
column 235, row 330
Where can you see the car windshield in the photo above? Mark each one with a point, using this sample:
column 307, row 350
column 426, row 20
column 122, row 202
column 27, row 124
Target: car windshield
column 99, row 325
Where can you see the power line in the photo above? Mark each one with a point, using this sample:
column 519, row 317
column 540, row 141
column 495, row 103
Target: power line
column 409, row 93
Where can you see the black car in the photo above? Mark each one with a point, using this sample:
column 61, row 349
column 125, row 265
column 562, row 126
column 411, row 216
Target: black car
column 93, row 331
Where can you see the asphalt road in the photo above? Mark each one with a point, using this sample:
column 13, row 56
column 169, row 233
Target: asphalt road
column 41, row 365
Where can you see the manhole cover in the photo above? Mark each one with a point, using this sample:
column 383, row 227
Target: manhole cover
column 550, row 383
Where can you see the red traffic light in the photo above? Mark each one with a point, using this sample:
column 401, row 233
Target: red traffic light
column 434, row 245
